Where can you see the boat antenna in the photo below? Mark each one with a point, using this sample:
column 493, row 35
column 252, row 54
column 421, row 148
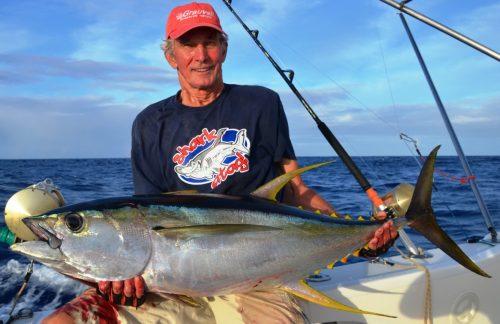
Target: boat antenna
column 288, row 75
column 458, row 148
column 464, row 39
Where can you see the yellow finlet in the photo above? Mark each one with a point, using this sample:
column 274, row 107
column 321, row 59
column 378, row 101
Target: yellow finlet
column 344, row 259
column 334, row 215
column 361, row 218
column 330, row 265
column 347, row 217
column 271, row 189
column 304, row 291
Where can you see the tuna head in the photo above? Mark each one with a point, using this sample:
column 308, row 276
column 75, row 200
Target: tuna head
column 107, row 244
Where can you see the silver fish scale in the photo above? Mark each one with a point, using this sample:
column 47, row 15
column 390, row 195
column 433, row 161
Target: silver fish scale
column 198, row 265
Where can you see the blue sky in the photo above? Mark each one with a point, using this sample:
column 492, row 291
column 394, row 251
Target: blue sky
column 74, row 74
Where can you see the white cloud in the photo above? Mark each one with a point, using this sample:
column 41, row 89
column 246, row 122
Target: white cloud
column 65, row 127
column 28, row 68
column 107, row 65
column 461, row 119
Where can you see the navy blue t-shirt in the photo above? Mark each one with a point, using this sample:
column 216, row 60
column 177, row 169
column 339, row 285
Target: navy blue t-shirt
column 233, row 145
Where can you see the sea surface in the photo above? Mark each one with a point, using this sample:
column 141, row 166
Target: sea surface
column 86, row 179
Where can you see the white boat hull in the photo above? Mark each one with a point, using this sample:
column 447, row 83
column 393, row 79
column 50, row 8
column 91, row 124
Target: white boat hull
column 458, row 295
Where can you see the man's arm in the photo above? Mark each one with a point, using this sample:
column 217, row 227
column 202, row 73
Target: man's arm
column 297, row 193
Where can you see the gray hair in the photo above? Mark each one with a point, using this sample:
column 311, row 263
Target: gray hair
column 168, row 45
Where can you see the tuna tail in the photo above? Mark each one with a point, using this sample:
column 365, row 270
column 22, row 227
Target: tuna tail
column 421, row 217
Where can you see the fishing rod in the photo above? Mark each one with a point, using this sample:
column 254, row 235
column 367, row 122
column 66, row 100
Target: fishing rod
column 456, row 143
column 288, row 75
column 464, row 39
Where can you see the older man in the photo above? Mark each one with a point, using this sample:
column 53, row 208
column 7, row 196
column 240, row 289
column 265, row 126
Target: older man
column 212, row 137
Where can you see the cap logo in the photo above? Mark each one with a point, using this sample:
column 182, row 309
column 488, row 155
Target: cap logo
column 184, row 18
column 187, row 14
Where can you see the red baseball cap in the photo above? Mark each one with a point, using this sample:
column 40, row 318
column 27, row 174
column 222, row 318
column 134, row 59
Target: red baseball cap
column 186, row 17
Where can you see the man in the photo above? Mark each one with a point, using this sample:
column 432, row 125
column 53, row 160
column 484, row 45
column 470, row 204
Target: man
column 212, row 137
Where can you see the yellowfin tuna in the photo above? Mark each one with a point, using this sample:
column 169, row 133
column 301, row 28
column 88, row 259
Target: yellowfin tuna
column 208, row 245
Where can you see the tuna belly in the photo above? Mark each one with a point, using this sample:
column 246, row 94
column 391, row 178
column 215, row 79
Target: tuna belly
column 234, row 263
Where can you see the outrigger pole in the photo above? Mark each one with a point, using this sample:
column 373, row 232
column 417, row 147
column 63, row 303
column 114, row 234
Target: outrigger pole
column 464, row 39
column 287, row 75
column 465, row 164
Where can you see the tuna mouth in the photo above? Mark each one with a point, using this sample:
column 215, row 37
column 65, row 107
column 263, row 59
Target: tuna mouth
column 43, row 232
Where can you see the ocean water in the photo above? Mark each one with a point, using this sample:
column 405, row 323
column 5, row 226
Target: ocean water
column 86, row 179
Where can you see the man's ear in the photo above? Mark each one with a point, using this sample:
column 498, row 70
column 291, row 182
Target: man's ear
column 171, row 60
column 225, row 53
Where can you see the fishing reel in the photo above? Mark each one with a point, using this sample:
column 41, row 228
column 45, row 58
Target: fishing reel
column 31, row 201
column 398, row 200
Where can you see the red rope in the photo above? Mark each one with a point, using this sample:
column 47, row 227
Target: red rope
column 462, row 180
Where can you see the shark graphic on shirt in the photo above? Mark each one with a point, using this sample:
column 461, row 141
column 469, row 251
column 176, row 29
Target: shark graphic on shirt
column 218, row 160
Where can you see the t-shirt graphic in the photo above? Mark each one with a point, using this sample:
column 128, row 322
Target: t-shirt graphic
column 213, row 156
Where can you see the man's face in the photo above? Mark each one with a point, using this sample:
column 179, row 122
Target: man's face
column 198, row 56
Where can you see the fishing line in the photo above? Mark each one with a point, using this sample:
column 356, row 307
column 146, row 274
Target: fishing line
column 27, row 277
column 321, row 72
column 396, row 129
column 407, row 139
column 451, row 132
column 287, row 76
column 388, row 80
column 337, row 84
column 310, row 92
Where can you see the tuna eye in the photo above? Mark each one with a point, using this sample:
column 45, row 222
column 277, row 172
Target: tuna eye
column 74, row 222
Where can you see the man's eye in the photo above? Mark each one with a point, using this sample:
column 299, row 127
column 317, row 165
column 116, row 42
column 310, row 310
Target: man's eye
column 211, row 44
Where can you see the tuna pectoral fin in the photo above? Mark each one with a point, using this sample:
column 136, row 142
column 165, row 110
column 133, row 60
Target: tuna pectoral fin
column 271, row 189
column 303, row 290
column 188, row 232
column 183, row 299
column 421, row 217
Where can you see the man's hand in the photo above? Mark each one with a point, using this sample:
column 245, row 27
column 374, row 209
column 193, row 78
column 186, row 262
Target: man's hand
column 382, row 239
column 130, row 292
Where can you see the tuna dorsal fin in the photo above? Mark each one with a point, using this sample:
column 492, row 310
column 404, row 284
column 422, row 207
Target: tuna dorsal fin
column 181, row 192
column 271, row 189
column 188, row 232
column 303, row 290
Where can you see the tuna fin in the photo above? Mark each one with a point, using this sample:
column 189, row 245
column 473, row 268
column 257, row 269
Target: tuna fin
column 271, row 189
column 303, row 290
column 421, row 217
column 181, row 192
column 188, row 232
column 218, row 138
column 187, row 300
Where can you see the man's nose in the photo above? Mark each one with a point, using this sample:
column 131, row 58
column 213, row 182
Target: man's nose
column 200, row 52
